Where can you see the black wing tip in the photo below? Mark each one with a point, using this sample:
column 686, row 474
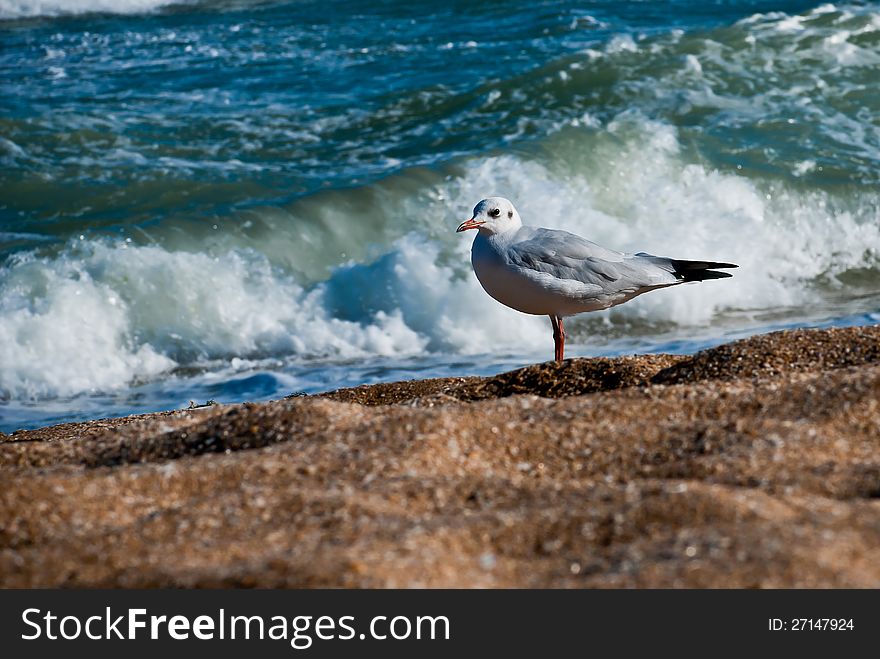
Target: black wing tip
column 681, row 265
column 700, row 270
column 703, row 275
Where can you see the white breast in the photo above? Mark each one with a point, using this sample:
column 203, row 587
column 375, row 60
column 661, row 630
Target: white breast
column 529, row 291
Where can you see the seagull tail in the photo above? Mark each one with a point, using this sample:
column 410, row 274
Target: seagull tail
column 699, row 270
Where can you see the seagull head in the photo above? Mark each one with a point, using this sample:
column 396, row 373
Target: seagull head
column 493, row 215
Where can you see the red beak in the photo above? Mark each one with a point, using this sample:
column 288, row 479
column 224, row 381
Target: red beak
column 469, row 224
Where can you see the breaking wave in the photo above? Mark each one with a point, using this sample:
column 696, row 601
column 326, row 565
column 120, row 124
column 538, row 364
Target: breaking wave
column 100, row 314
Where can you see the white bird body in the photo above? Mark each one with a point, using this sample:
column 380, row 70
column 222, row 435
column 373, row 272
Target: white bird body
column 528, row 287
column 559, row 274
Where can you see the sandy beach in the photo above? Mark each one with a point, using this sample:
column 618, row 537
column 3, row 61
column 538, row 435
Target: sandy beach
column 754, row 464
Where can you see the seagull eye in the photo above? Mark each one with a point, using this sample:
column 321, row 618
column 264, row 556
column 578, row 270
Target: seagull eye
column 495, row 212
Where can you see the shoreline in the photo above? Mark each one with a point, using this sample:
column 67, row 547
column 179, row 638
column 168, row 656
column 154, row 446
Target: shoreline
column 752, row 464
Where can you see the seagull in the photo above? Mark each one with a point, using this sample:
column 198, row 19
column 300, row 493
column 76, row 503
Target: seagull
column 558, row 274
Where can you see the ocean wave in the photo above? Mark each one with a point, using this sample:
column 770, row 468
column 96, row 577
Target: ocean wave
column 100, row 314
column 787, row 95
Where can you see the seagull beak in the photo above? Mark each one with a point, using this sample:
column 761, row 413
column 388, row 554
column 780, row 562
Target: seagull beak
column 469, row 224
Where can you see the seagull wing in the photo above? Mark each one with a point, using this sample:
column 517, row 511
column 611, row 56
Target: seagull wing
column 566, row 256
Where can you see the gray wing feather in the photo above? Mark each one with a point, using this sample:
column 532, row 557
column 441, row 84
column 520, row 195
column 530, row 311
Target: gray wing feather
column 567, row 256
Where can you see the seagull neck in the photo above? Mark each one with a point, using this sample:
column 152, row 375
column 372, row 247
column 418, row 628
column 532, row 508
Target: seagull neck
column 498, row 237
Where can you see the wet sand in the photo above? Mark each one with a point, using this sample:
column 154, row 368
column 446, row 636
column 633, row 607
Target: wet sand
column 754, row 464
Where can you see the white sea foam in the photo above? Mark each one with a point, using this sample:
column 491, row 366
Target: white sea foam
column 31, row 8
column 61, row 334
column 101, row 315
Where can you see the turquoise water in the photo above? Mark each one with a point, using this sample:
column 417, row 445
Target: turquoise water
column 238, row 200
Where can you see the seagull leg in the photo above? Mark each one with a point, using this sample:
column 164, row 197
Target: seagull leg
column 561, row 355
column 558, row 338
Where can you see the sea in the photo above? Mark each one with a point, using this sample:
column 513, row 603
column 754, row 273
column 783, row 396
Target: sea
column 238, row 201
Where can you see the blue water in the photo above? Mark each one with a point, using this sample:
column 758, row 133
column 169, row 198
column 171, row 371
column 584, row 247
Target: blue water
column 238, row 200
